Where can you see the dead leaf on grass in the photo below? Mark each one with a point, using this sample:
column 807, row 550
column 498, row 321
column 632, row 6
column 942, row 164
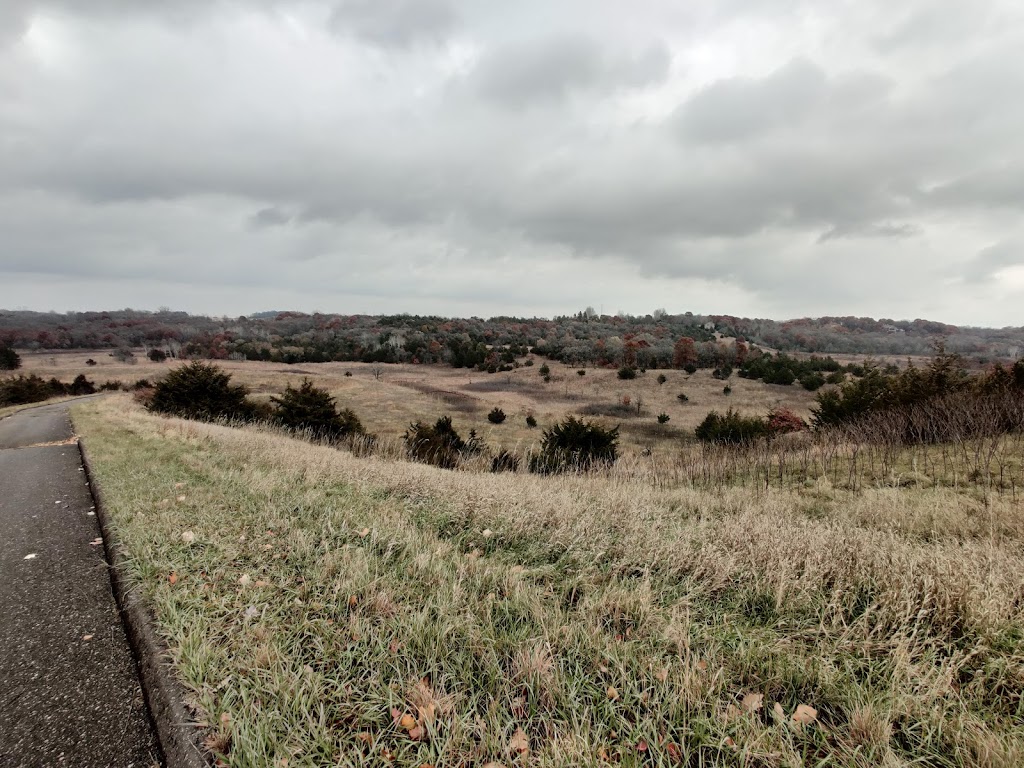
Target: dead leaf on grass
column 805, row 714
column 173, row 578
column 519, row 744
column 752, row 702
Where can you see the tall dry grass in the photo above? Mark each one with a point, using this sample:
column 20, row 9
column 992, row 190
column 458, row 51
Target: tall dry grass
column 612, row 618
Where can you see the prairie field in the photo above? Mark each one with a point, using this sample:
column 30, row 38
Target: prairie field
column 323, row 608
column 387, row 398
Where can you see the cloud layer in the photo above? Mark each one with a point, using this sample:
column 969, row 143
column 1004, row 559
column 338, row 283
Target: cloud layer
column 476, row 157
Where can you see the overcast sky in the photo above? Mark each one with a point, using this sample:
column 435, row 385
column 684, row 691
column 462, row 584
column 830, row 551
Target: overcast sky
column 770, row 158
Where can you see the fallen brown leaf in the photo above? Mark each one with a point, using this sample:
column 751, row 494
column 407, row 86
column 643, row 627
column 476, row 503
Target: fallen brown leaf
column 519, row 743
column 752, row 702
column 805, row 714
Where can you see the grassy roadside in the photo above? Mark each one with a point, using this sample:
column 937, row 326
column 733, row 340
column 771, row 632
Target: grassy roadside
column 329, row 610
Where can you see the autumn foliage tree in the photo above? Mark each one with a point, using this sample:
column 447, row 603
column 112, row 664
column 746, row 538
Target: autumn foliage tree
column 684, row 353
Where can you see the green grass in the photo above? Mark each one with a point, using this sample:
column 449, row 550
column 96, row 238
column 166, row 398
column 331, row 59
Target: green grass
column 611, row 622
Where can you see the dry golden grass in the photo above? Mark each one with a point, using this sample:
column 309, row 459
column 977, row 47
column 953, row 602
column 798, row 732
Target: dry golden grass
column 407, row 393
column 593, row 619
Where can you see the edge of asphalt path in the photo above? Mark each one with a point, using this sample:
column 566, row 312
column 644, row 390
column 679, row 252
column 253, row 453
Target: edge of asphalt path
column 176, row 730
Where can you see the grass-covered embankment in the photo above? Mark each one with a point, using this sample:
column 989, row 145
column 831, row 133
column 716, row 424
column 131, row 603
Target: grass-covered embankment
column 326, row 609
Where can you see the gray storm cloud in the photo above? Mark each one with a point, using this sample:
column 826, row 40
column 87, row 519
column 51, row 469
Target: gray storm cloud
column 773, row 149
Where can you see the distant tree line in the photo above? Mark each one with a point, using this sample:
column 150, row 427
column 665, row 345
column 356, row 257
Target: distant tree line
column 659, row 340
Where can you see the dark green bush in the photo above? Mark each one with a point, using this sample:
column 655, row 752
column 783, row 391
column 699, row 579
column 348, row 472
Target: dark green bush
column 531, row 422
column 726, row 390
column 200, row 391
column 157, row 355
column 812, row 382
column 626, row 373
column 9, row 359
column 581, row 372
column 575, row 445
column 662, row 378
column 544, row 370
column 663, row 418
column 439, row 444
column 111, row 386
column 22, row 390
column 312, row 409
column 722, row 373
column 496, row 416
column 731, row 428
column 82, row 386
column 682, row 398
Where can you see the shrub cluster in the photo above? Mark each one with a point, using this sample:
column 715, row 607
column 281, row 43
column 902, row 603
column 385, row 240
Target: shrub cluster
column 919, row 404
column 22, row 390
column 731, row 428
column 783, row 370
column 496, row 416
column 627, row 373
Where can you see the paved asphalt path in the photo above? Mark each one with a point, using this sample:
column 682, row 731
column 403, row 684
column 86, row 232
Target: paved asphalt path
column 65, row 700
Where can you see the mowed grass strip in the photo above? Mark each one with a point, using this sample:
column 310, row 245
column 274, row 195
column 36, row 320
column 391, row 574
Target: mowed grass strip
column 324, row 609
